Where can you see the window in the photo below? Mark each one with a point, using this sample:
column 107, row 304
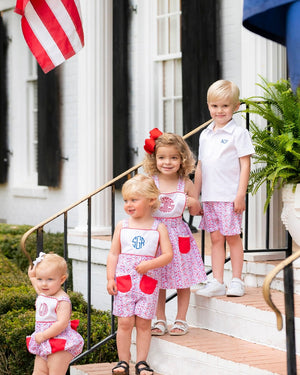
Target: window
column 32, row 120
column 168, row 57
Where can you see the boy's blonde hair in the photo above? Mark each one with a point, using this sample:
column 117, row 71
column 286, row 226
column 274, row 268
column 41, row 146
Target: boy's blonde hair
column 141, row 185
column 187, row 164
column 56, row 260
column 223, row 89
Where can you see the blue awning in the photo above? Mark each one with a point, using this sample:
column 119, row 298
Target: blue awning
column 277, row 20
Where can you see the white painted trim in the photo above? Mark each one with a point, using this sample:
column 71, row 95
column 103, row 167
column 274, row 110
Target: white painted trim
column 7, row 5
column 30, row 192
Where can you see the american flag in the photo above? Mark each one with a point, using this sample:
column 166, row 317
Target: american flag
column 52, row 29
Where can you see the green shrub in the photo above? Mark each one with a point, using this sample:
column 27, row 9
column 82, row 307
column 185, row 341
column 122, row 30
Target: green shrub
column 14, row 327
column 10, row 238
column 17, row 298
column 100, row 329
column 10, row 275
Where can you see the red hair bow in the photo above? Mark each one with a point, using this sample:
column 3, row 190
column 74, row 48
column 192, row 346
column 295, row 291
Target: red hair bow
column 150, row 142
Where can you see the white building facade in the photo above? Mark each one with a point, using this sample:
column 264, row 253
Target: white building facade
column 155, row 99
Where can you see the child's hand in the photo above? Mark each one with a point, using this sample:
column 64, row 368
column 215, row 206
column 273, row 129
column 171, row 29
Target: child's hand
column 239, row 204
column 143, row 267
column 39, row 337
column 31, row 271
column 112, row 287
column 201, row 212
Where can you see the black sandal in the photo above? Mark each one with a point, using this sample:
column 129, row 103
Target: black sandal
column 121, row 364
column 146, row 367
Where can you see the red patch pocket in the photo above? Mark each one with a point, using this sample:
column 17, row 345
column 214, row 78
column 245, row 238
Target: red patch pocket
column 124, row 283
column 147, row 284
column 57, row 345
column 28, row 338
column 184, row 244
column 74, row 324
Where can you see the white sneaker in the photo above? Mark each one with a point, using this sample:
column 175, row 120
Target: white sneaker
column 211, row 289
column 236, row 288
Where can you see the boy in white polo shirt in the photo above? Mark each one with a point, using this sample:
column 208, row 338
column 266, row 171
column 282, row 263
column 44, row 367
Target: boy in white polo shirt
column 222, row 176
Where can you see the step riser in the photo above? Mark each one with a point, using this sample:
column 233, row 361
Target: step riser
column 244, row 322
column 240, row 321
column 170, row 359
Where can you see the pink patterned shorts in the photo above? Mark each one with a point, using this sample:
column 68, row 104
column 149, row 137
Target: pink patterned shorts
column 221, row 216
column 137, row 294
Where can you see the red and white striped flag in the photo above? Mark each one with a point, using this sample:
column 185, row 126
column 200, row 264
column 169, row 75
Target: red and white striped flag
column 52, row 29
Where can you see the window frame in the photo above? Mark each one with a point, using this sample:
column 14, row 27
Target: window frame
column 161, row 60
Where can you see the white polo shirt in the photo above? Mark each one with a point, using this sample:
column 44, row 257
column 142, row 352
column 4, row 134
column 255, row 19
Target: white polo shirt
column 219, row 153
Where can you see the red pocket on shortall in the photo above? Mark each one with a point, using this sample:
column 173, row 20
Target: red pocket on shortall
column 74, row 324
column 57, row 345
column 28, row 339
column 124, row 283
column 184, row 244
column 147, row 284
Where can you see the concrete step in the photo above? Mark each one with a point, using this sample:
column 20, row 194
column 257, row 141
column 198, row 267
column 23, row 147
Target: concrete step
column 248, row 318
column 204, row 351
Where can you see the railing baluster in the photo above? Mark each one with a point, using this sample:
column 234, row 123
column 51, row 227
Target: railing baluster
column 66, row 254
column 113, row 210
column 89, row 254
column 39, row 240
column 289, row 313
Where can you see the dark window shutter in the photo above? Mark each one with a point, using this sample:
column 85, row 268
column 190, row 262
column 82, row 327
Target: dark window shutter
column 3, row 104
column 49, row 153
column 200, row 67
column 121, row 154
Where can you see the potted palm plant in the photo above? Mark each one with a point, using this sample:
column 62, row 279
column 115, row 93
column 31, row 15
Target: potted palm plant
column 277, row 147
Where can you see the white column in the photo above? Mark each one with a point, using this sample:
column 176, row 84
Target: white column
column 261, row 57
column 95, row 113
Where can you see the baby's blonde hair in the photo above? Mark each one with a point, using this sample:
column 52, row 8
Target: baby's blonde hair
column 52, row 259
column 187, row 164
column 141, row 185
column 223, row 89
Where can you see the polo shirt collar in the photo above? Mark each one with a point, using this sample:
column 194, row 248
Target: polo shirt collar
column 228, row 128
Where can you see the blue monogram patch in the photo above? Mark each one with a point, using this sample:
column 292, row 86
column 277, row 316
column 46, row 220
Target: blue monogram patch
column 224, row 141
column 138, row 242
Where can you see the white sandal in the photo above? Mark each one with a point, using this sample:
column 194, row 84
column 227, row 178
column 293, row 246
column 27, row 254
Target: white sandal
column 161, row 325
column 181, row 325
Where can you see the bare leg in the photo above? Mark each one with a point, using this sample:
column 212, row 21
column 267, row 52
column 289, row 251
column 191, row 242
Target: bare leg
column 161, row 305
column 236, row 254
column 217, row 255
column 143, row 340
column 40, row 366
column 183, row 300
column 125, row 326
column 58, row 362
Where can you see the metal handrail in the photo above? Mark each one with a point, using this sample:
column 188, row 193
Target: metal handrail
column 63, row 211
column 267, row 286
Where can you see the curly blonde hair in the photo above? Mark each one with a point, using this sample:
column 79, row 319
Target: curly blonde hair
column 141, row 185
column 187, row 165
